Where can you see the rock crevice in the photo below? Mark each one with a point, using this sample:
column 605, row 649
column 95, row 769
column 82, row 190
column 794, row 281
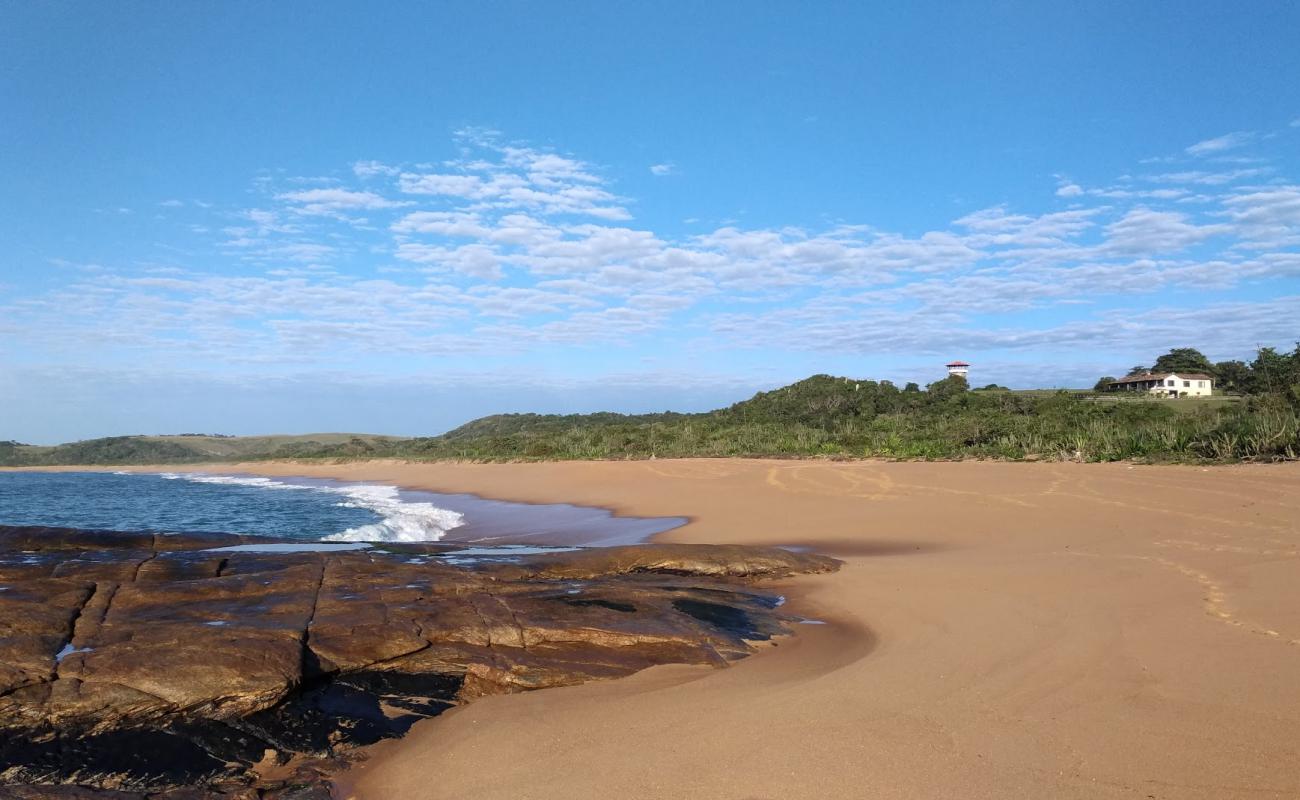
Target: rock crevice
column 215, row 663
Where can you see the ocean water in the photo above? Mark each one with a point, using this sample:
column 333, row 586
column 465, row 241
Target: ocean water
column 302, row 508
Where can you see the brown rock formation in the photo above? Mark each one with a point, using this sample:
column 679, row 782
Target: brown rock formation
column 167, row 665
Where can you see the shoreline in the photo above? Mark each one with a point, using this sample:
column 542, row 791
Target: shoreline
column 487, row 520
column 327, row 471
column 1002, row 629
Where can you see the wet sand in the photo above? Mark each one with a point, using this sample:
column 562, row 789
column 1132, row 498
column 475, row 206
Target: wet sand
column 998, row 631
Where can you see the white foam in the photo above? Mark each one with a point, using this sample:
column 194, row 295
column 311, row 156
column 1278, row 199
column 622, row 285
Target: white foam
column 400, row 521
column 231, row 480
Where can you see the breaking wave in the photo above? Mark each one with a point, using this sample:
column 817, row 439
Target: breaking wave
column 400, row 521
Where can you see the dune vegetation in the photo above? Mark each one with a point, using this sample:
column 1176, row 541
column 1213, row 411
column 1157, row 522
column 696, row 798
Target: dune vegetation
column 821, row 416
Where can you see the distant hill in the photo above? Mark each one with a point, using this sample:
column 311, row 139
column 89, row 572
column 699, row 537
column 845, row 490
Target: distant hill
column 532, row 424
column 820, row 416
column 192, row 448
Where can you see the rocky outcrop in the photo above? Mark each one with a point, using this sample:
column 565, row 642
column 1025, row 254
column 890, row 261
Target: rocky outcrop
column 173, row 666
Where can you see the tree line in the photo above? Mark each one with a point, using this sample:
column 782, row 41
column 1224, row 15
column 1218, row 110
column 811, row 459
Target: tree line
column 1271, row 371
column 835, row 417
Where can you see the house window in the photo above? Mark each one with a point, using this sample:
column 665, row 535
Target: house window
column 1171, row 381
column 1187, row 384
column 1200, row 384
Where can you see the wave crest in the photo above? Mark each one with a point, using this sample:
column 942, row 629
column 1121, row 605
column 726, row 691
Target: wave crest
column 400, row 521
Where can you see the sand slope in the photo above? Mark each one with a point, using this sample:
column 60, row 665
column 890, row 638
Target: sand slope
column 999, row 631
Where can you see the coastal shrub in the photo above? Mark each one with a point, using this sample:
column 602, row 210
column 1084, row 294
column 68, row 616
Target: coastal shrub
column 820, row 416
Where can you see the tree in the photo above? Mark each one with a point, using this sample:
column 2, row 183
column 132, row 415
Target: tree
column 1103, row 385
column 950, row 386
column 911, row 387
column 1183, row 359
column 1273, row 371
column 1138, row 370
column 1234, row 376
column 1293, row 365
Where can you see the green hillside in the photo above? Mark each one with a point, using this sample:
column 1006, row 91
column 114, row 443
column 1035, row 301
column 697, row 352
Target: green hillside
column 843, row 417
column 193, row 448
column 819, row 416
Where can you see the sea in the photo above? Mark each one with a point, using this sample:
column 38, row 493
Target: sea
column 305, row 509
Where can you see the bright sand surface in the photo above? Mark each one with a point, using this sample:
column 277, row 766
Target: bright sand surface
column 998, row 630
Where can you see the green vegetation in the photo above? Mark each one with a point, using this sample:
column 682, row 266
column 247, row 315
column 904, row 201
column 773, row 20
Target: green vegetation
column 1183, row 359
column 820, row 416
column 1270, row 373
column 839, row 417
column 194, row 448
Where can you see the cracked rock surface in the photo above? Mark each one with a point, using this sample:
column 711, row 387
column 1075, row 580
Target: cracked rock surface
column 138, row 665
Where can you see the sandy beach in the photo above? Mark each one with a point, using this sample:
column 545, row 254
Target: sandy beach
column 999, row 630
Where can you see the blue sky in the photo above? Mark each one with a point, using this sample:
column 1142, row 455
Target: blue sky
column 247, row 218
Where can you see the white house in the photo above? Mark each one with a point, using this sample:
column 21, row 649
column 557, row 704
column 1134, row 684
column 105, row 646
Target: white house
column 1166, row 384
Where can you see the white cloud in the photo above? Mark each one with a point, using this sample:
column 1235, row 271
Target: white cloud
column 459, row 224
column 330, row 202
column 473, row 260
column 549, row 169
column 1143, row 230
column 373, row 169
column 520, row 179
column 301, row 251
column 523, row 231
column 1218, row 144
column 1226, row 328
column 1275, row 206
column 517, row 302
column 1203, row 178
column 470, row 186
column 1073, row 190
column 513, row 250
column 1268, row 218
column 666, row 168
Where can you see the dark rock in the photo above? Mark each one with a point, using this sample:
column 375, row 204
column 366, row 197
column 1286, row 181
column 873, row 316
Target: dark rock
column 142, row 664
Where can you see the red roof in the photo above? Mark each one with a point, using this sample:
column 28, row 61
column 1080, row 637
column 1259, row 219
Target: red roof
column 957, row 364
column 1148, row 377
